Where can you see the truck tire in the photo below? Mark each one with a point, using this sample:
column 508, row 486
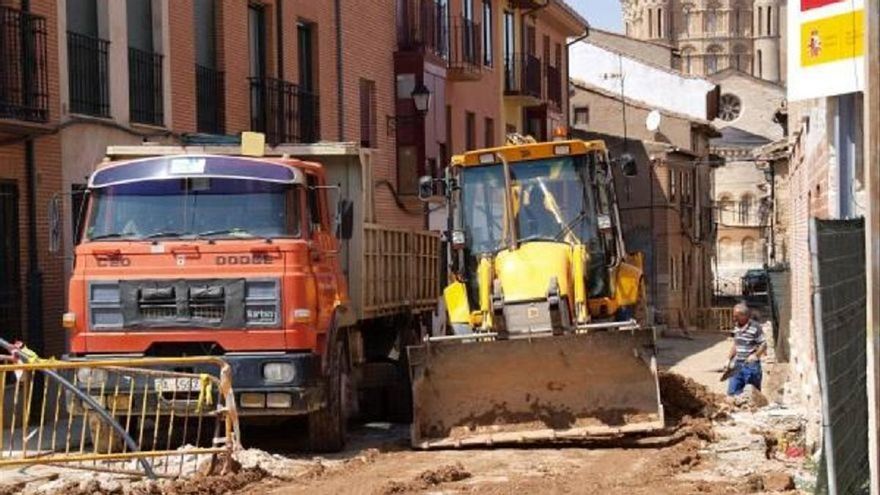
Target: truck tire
column 327, row 426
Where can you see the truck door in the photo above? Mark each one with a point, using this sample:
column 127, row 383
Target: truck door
column 323, row 251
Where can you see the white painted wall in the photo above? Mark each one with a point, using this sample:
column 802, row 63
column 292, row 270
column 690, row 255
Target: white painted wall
column 659, row 88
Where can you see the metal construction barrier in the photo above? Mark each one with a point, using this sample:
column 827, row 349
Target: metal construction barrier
column 154, row 417
column 715, row 319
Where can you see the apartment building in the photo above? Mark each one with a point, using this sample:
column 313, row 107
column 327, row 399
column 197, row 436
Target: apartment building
column 492, row 67
column 31, row 278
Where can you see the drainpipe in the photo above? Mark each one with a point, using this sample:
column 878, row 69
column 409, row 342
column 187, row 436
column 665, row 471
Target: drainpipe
column 279, row 61
column 340, row 107
column 34, row 334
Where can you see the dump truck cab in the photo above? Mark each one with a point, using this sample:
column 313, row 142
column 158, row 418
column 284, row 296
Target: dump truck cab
column 230, row 256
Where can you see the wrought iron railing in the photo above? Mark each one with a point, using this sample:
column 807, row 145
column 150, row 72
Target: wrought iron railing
column 284, row 111
column 24, row 83
column 145, row 87
column 522, row 75
column 87, row 74
column 210, row 96
column 554, row 86
column 465, row 46
column 423, row 26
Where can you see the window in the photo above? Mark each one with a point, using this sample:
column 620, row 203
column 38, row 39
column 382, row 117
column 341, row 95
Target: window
column 488, row 24
column 688, row 18
column 87, row 60
column 769, row 21
column 712, row 57
column 749, row 253
column 77, row 202
column 582, row 116
column 712, row 19
column 688, row 54
column 210, row 93
column 731, row 107
column 736, row 25
column 489, row 137
column 745, row 209
column 659, row 23
column 470, row 131
column 759, row 64
column 509, row 49
column 650, row 23
column 368, row 113
column 144, row 65
column 10, row 261
column 306, row 55
column 725, row 209
column 256, row 41
column 760, row 21
column 672, row 185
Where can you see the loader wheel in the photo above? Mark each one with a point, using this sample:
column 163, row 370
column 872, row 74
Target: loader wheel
column 327, row 426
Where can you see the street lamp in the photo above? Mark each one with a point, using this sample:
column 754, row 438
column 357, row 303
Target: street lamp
column 421, row 97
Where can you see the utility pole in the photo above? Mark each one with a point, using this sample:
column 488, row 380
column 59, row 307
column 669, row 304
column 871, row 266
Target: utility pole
column 872, row 230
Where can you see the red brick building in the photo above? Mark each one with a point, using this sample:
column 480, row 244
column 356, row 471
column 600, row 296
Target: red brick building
column 31, row 278
column 124, row 72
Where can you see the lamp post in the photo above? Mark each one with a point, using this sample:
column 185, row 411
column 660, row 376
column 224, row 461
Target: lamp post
column 421, row 97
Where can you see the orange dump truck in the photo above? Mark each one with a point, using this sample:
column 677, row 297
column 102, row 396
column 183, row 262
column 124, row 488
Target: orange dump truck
column 270, row 262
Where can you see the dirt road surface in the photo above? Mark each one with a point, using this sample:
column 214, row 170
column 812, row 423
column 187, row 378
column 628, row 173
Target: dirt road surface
column 716, row 448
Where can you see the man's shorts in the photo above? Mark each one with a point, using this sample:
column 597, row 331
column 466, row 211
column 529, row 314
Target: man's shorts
column 745, row 374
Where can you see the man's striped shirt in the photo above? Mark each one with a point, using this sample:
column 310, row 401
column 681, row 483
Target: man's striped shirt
column 747, row 339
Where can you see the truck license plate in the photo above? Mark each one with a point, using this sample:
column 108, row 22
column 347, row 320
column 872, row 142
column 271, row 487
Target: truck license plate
column 177, row 384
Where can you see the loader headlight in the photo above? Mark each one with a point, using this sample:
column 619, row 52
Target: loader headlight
column 279, row 372
column 93, row 377
column 458, row 239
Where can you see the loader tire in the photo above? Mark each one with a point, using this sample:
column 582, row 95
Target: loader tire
column 327, row 426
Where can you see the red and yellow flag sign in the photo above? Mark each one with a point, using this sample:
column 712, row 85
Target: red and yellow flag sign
column 834, row 38
column 815, row 4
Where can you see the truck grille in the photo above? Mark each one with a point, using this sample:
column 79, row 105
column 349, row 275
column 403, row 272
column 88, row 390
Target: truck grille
column 214, row 303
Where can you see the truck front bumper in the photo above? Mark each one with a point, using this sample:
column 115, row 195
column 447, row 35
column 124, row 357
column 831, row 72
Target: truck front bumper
column 298, row 392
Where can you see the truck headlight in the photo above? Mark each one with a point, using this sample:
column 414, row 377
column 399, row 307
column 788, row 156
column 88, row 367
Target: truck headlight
column 93, row 377
column 278, row 372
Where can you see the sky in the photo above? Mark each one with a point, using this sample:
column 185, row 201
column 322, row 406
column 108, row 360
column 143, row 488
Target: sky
column 603, row 14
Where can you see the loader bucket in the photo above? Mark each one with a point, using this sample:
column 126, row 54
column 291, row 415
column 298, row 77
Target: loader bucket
column 554, row 388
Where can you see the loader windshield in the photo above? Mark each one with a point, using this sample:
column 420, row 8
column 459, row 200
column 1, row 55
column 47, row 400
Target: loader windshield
column 552, row 201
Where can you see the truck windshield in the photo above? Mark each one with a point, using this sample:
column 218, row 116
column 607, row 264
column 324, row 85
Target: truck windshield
column 552, row 201
column 194, row 207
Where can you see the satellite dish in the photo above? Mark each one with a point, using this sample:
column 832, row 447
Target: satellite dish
column 653, row 121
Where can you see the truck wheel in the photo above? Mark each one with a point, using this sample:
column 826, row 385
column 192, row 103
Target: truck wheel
column 327, row 428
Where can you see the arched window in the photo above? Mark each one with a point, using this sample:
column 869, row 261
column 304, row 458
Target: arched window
column 745, row 208
column 728, row 251
column 769, row 21
column 713, row 56
column 737, row 19
column 687, row 54
column 650, row 23
column 725, row 209
column 749, row 252
column 760, row 17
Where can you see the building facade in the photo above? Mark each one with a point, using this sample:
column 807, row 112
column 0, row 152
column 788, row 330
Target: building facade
column 713, row 35
column 95, row 73
column 666, row 209
column 31, row 277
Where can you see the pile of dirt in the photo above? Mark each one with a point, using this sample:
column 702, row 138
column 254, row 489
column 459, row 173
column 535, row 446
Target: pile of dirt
column 683, row 397
column 427, row 479
column 202, row 485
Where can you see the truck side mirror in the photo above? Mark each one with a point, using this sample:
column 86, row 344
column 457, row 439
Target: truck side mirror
column 344, row 219
column 628, row 165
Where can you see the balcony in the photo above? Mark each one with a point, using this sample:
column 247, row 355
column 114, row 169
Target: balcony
column 283, row 111
column 145, row 87
column 210, row 101
column 87, row 74
column 522, row 78
column 24, row 85
column 465, row 51
column 554, row 87
column 423, row 27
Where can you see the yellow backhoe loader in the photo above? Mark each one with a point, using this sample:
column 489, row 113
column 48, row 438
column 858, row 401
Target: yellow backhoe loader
column 545, row 334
